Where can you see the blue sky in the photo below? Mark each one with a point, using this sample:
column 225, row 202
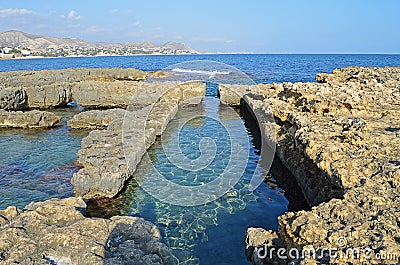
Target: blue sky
column 287, row 26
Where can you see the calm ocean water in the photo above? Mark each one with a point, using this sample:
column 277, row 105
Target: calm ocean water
column 265, row 68
column 36, row 164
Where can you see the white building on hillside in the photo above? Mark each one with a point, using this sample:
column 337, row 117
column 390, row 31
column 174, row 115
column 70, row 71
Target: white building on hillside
column 25, row 52
column 7, row 50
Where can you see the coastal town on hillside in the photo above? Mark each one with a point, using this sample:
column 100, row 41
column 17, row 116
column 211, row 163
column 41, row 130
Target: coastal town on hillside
column 69, row 51
column 16, row 44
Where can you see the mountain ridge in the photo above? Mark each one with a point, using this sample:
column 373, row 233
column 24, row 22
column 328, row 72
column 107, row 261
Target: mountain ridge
column 41, row 44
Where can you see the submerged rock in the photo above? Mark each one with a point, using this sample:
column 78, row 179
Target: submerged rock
column 29, row 119
column 10, row 172
column 61, row 174
column 57, row 232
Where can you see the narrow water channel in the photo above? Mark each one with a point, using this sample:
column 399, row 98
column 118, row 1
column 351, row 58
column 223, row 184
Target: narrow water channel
column 211, row 233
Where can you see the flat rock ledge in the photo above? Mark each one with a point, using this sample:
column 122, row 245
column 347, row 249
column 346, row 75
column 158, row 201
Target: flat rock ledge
column 57, row 232
column 95, row 119
column 29, row 119
column 89, row 87
column 103, row 152
column 341, row 140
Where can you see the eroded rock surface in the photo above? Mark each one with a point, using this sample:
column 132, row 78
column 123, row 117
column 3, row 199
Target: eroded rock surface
column 13, row 99
column 104, row 94
column 56, row 232
column 341, row 140
column 95, row 119
column 89, row 87
column 28, row 119
column 102, row 155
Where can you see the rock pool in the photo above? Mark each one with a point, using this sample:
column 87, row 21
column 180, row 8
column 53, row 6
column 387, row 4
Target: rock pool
column 211, row 233
column 38, row 165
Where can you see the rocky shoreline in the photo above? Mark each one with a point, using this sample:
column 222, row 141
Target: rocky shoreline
column 29, row 119
column 57, row 232
column 340, row 139
column 89, row 87
column 71, row 238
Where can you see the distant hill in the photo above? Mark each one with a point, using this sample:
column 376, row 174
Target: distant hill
column 15, row 38
column 42, row 45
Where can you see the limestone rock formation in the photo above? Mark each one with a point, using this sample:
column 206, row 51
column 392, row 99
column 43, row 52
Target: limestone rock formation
column 29, row 119
column 95, row 119
column 104, row 94
column 259, row 243
column 232, row 94
column 57, row 232
column 13, row 99
column 89, row 87
column 102, row 155
column 341, row 140
column 48, row 77
column 48, row 96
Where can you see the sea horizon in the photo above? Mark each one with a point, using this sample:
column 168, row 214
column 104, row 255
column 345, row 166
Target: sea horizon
column 262, row 68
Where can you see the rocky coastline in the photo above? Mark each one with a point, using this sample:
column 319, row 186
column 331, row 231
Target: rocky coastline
column 72, row 238
column 89, row 87
column 340, row 138
column 28, row 119
column 57, row 232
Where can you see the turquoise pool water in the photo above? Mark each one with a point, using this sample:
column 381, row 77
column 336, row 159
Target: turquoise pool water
column 211, row 233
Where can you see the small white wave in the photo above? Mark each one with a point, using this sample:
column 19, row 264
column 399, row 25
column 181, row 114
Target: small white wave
column 211, row 74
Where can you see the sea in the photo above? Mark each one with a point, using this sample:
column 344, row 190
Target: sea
column 38, row 164
column 262, row 68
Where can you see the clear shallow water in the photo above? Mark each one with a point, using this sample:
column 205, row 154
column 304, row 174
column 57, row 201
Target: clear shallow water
column 37, row 164
column 262, row 68
column 211, row 233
